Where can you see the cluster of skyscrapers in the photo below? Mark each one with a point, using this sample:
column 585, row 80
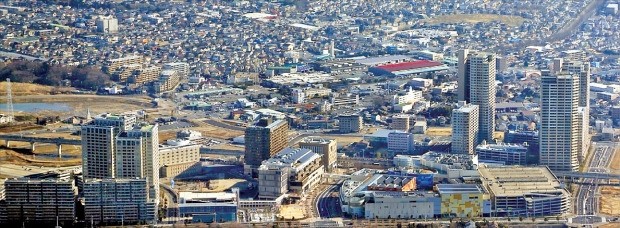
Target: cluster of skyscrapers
column 564, row 109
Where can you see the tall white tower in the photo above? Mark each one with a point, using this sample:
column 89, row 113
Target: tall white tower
column 9, row 101
column 464, row 128
column 560, row 122
column 476, row 78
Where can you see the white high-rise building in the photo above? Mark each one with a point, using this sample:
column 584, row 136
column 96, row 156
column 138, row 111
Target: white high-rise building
column 137, row 156
column 299, row 96
column 583, row 70
column 107, row 24
column 476, row 85
column 98, row 144
column 400, row 142
column 465, row 128
column 560, row 130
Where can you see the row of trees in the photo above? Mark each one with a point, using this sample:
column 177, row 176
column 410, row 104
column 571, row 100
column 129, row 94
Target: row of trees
column 86, row 77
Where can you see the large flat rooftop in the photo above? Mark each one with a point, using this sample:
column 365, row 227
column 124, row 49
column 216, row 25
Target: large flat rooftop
column 517, row 181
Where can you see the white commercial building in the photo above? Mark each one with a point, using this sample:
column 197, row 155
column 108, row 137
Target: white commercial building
column 464, row 128
column 410, row 97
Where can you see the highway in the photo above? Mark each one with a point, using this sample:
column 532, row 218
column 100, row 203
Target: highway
column 328, row 203
column 586, row 202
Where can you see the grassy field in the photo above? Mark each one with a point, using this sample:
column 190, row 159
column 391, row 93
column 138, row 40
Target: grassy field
column 20, row 89
column 475, row 18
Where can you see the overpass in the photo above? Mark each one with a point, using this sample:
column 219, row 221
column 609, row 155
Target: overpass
column 33, row 140
column 575, row 176
column 606, row 176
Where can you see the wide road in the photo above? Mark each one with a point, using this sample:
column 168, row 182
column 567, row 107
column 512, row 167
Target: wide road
column 586, row 203
column 328, row 203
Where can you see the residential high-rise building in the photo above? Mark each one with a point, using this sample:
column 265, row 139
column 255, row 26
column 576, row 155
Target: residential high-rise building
column 299, row 97
column 117, row 66
column 476, row 85
column 464, row 128
column 328, row 148
column 118, row 200
column 107, row 24
column 560, row 121
column 41, row 201
column 349, row 123
column 99, row 146
column 264, row 139
column 400, row 142
column 137, row 156
column 401, row 122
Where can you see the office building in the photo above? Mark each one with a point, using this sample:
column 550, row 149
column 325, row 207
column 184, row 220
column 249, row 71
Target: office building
column 505, row 154
column 400, row 142
column 525, row 191
column 401, row 122
column 465, row 128
column 263, row 140
column 560, row 122
column 303, row 166
column 325, row 147
column 137, row 156
column 40, row 201
column 350, row 123
column 107, row 24
column 118, row 200
column 476, row 85
column 99, row 145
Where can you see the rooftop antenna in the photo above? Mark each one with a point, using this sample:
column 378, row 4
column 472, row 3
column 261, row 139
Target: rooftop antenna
column 9, row 100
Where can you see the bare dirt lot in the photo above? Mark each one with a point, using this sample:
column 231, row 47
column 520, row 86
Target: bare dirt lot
column 475, row 18
column 610, row 196
column 439, row 131
column 610, row 200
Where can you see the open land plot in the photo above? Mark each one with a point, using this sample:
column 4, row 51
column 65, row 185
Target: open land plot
column 439, row 131
column 292, row 211
column 610, row 200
